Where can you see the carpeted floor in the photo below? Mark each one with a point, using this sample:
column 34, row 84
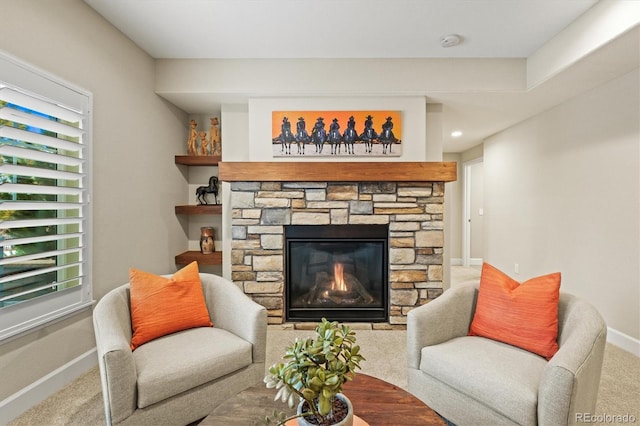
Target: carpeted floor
column 80, row 403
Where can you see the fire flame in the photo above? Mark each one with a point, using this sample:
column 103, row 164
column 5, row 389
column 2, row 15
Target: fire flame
column 338, row 283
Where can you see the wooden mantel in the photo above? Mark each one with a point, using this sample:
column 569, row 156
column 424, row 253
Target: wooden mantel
column 237, row 171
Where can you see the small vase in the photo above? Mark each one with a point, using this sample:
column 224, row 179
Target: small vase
column 347, row 421
column 207, row 244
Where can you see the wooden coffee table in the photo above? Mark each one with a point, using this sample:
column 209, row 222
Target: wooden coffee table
column 375, row 401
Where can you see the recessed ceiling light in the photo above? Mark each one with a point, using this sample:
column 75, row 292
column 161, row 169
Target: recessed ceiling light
column 450, row 40
column 456, row 134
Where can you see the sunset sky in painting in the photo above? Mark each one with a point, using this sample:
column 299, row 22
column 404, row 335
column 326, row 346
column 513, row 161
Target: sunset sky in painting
column 379, row 117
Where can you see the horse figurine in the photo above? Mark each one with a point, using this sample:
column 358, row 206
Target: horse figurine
column 202, row 191
column 302, row 137
column 350, row 135
column 335, row 137
column 368, row 135
column 386, row 136
column 319, row 134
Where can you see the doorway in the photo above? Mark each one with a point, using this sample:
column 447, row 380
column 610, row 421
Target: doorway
column 473, row 213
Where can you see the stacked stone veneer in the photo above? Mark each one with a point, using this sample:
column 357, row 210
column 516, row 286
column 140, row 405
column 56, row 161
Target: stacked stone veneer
column 413, row 210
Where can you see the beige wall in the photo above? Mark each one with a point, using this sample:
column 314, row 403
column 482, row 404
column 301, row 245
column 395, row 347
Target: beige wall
column 136, row 183
column 562, row 193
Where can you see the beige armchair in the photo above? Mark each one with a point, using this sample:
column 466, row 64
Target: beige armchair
column 472, row 380
column 179, row 378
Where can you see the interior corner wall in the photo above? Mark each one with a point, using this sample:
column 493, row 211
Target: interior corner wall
column 234, row 120
column 135, row 181
column 562, row 193
column 453, row 212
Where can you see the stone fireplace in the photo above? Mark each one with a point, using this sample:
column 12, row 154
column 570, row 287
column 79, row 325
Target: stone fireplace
column 268, row 199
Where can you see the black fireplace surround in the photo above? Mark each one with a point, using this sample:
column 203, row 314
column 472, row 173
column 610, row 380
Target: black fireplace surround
column 338, row 272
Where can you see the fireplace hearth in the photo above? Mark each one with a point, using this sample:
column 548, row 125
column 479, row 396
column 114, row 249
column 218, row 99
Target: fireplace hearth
column 339, row 272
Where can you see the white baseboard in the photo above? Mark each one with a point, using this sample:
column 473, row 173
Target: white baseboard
column 16, row 404
column 623, row 341
column 455, row 261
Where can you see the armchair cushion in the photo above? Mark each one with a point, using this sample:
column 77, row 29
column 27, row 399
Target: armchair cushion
column 495, row 374
column 161, row 305
column 523, row 315
column 174, row 364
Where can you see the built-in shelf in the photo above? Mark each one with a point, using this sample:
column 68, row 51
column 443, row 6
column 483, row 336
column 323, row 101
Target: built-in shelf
column 199, row 209
column 198, row 160
column 187, row 257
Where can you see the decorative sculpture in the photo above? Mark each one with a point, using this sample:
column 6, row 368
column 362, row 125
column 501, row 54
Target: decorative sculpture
column 212, row 188
column 204, row 144
column 215, row 139
column 193, row 138
column 207, row 243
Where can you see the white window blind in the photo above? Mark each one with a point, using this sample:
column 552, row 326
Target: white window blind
column 45, row 216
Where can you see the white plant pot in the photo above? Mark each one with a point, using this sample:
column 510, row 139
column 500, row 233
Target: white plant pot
column 347, row 421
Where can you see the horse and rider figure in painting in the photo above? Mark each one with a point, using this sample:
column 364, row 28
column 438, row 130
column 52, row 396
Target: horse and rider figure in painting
column 302, row 137
column 212, row 188
column 319, row 134
column 386, row 136
column 286, row 136
column 350, row 135
column 334, row 136
column 368, row 135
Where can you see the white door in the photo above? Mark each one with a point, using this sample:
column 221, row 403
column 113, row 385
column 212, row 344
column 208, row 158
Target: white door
column 473, row 213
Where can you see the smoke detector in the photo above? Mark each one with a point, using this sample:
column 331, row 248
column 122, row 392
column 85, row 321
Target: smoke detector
column 450, row 40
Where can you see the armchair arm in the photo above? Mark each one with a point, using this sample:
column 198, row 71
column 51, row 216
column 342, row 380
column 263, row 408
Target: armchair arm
column 112, row 327
column 571, row 378
column 234, row 311
column 440, row 320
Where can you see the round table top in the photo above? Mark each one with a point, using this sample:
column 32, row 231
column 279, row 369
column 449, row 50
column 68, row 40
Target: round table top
column 375, row 401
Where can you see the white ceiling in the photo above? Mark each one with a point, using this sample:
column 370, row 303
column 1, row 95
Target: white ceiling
column 294, row 29
column 339, row 28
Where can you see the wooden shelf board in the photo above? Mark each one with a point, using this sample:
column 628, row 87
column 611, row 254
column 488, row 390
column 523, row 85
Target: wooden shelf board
column 199, row 209
column 187, row 257
column 198, row 160
column 232, row 171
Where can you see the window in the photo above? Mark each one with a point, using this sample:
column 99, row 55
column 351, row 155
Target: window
column 45, row 215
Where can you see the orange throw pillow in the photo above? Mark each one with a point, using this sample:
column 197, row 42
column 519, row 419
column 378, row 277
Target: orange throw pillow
column 523, row 315
column 161, row 306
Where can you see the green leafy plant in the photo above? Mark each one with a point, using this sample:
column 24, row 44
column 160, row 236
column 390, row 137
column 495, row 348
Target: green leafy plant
column 315, row 370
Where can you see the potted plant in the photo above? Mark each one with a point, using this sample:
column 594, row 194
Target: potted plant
column 313, row 375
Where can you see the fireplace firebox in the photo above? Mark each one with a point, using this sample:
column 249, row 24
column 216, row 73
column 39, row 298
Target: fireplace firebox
column 339, row 272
